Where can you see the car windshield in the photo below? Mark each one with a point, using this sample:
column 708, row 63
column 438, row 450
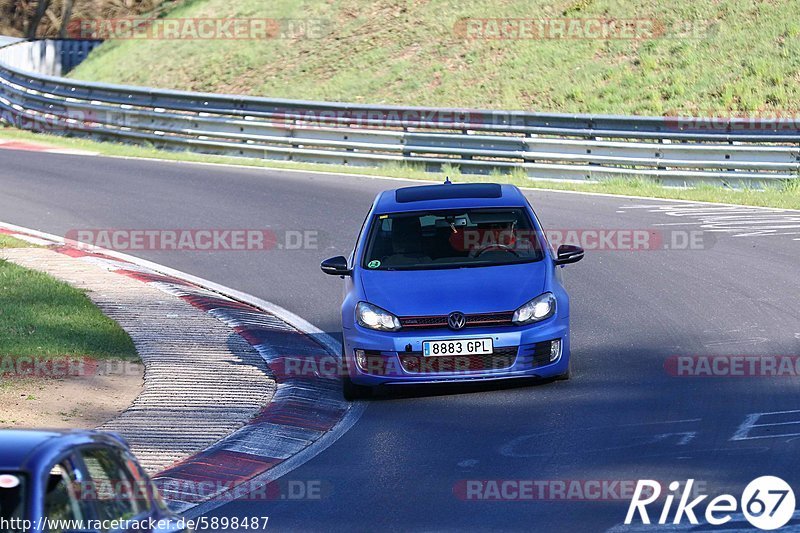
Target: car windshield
column 451, row 239
column 12, row 502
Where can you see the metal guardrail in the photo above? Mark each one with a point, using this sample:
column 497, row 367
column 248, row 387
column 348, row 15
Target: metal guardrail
column 8, row 40
column 672, row 150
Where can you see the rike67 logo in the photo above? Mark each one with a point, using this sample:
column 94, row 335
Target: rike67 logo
column 767, row 503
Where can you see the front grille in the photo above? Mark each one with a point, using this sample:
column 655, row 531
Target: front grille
column 474, row 320
column 417, row 363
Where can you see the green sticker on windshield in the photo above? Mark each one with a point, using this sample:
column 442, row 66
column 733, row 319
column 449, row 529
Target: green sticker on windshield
column 374, row 263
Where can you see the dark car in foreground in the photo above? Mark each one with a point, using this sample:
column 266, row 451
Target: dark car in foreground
column 76, row 481
column 452, row 283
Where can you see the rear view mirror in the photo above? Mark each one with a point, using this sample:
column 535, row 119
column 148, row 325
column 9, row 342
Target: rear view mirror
column 567, row 253
column 335, row 266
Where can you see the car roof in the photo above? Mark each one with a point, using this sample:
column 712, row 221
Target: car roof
column 449, row 196
column 19, row 446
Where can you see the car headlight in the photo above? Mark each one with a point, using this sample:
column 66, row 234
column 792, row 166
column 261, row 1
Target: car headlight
column 373, row 317
column 541, row 307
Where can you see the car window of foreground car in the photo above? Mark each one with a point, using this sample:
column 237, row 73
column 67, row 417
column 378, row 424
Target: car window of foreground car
column 451, row 239
column 12, row 502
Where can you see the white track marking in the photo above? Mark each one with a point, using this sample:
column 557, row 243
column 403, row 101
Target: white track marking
column 739, row 221
column 350, row 418
column 750, row 423
column 509, row 448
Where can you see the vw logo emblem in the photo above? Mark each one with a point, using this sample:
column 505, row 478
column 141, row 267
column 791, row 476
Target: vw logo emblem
column 456, row 320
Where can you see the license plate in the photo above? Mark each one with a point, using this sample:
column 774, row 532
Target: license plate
column 457, row 347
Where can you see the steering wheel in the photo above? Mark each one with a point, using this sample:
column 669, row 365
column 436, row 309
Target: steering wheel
column 494, row 246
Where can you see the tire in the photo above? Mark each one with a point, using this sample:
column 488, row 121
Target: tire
column 353, row 392
column 566, row 375
column 350, row 390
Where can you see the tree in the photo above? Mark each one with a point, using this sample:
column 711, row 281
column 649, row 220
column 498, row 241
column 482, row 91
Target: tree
column 66, row 15
column 41, row 10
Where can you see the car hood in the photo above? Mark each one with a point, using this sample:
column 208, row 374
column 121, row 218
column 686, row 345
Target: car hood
column 442, row 291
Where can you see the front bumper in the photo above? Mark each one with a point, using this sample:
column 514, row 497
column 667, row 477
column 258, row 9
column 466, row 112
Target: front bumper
column 388, row 349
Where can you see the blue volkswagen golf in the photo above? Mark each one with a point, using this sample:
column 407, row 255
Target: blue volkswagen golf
column 452, row 282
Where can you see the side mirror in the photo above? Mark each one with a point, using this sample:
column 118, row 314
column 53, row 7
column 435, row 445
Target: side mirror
column 335, row 266
column 567, row 253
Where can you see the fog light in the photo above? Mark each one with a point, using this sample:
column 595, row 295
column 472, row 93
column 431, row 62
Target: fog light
column 555, row 349
column 361, row 359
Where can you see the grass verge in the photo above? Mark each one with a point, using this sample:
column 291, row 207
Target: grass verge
column 786, row 196
column 7, row 241
column 46, row 319
column 62, row 362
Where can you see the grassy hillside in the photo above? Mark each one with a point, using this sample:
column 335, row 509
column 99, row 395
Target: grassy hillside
column 738, row 56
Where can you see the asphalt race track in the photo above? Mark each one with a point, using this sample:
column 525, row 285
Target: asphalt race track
column 622, row 417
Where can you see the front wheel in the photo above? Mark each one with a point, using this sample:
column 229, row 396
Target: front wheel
column 566, row 375
column 350, row 390
column 353, row 392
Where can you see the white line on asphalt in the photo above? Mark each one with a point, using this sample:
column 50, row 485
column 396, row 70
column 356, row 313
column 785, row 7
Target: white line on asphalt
column 739, row 221
column 743, row 432
column 509, row 448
